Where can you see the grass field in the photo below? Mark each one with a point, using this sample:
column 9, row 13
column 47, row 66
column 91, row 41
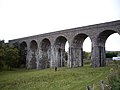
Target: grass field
column 48, row 79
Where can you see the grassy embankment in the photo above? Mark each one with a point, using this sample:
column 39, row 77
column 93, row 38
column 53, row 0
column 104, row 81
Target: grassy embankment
column 48, row 79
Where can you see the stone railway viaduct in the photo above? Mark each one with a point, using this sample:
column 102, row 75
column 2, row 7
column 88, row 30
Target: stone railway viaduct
column 48, row 50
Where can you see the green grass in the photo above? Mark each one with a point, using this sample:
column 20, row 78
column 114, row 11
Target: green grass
column 48, row 79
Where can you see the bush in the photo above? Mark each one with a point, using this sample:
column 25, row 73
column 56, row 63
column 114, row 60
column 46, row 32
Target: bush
column 1, row 65
column 114, row 78
column 111, row 54
column 9, row 57
column 116, row 62
column 2, row 52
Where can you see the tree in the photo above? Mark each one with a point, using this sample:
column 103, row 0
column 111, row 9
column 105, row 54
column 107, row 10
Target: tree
column 111, row 54
column 66, row 56
column 2, row 53
column 11, row 57
column 86, row 55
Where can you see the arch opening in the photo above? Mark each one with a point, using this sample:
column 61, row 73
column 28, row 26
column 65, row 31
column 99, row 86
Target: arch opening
column 112, row 42
column 102, row 39
column 60, row 49
column 77, row 52
column 33, row 47
column 66, row 53
column 112, row 47
column 103, row 36
column 23, row 54
column 46, row 53
column 87, row 51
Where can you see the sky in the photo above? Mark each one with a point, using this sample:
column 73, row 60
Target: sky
column 22, row 18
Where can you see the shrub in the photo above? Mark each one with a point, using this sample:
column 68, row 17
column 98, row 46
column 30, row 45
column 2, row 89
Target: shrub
column 114, row 78
column 117, row 63
column 9, row 57
column 111, row 54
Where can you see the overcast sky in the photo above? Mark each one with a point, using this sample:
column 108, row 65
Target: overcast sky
column 21, row 18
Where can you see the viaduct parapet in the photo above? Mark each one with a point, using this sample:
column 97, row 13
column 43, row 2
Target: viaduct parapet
column 48, row 50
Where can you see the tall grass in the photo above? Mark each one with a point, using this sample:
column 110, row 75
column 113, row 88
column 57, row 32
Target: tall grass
column 48, row 79
column 114, row 76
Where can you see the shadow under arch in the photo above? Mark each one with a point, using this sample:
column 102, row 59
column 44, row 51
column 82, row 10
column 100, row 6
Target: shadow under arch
column 101, row 40
column 33, row 47
column 45, row 46
column 23, row 54
column 77, row 49
column 60, row 51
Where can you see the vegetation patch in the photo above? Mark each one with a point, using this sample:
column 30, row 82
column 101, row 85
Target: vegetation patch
column 48, row 79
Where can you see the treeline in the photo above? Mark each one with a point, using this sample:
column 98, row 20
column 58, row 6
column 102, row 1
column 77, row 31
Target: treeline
column 9, row 56
column 111, row 54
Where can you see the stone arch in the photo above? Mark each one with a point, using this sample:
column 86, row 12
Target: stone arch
column 23, row 54
column 101, row 40
column 79, row 39
column 45, row 46
column 102, row 37
column 33, row 45
column 34, row 48
column 77, row 49
column 60, row 41
column 60, row 51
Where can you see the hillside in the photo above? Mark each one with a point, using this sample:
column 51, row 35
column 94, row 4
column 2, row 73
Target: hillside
column 63, row 79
